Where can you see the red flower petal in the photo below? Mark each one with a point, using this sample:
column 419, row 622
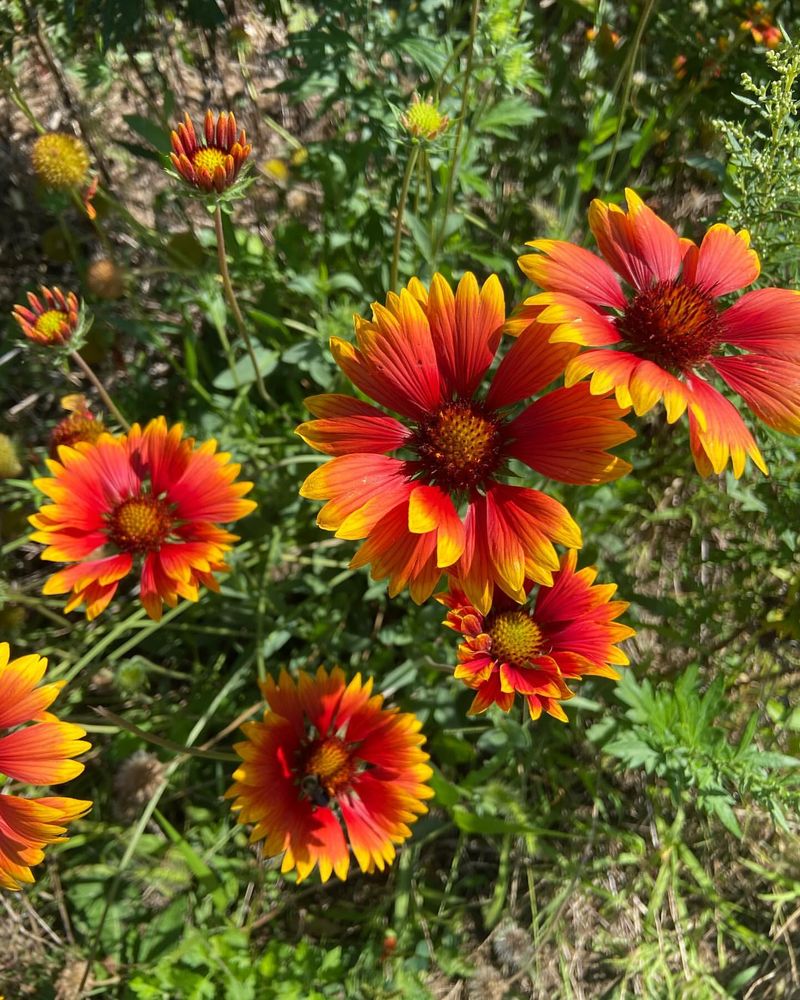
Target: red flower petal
column 567, row 433
column 770, row 387
column 724, row 263
column 766, row 321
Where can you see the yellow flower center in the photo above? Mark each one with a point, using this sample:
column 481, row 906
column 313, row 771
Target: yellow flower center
column 51, row 323
column 329, row 761
column 60, row 160
column 209, row 158
column 459, row 445
column 516, row 638
column 140, row 524
column 424, row 119
column 676, row 326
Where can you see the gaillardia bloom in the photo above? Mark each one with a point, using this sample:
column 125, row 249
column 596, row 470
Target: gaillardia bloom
column 568, row 631
column 443, row 503
column 39, row 754
column 662, row 338
column 60, row 160
column 213, row 164
column 149, row 497
column 80, row 425
column 52, row 320
column 327, row 765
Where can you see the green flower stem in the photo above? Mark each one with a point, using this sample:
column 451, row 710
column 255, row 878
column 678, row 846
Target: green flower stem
column 452, row 172
column 107, row 400
column 237, row 312
column 626, row 94
column 401, row 208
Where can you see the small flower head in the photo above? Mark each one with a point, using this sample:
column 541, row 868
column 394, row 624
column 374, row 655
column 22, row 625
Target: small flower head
column 149, row 497
column 211, row 163
column 566, row 631
column 328, row 765
column 38, row 754
column 10, row 466
column 54, row 319
column 105, row 279
column 60, row 161
column 80, row 425
column 423, row 119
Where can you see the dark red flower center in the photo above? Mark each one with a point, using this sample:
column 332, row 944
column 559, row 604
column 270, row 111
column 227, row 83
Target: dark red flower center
column 329, row 765
column 676, row 326
column 140, row 524
column 516, row 638
column 458, row 445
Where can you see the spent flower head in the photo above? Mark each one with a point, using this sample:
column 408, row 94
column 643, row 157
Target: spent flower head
column 61, row 161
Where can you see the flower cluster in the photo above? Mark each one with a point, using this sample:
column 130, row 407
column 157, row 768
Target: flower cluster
column 441, row 474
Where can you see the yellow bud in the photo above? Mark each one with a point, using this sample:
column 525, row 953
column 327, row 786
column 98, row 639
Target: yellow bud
column 9, row 462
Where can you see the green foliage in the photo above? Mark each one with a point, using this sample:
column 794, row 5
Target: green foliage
column 763, row 189
column 649, row 847
column 675, row 735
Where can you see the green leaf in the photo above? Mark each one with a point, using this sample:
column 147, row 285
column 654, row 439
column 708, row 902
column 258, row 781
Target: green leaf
column 150, row 131
column 265, row 358
column 508, row 114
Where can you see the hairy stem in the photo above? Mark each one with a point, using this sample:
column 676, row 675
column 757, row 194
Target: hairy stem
column 401, row 208
column 230, row 295
column 107, row 400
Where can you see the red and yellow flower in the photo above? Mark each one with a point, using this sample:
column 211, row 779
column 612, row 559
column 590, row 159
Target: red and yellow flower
column 150, row 497
column 663, row 338
column 329, row 769
column 52, row 319
column 38, row 754
column 213, row 162
column 444, row 503
column 80, row 425
column 566, row 632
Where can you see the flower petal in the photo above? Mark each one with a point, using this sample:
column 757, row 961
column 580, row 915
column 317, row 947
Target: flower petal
column 567, row 433
column 564, row 267
column 532, row 362
column 717, row 432
column 724, row 263
column 766, row 321
column 770, row 387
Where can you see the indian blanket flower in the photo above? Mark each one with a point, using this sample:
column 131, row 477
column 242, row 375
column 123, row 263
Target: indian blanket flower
column 663, row 337
column 60, row 160
column 148, row 498
column 330, row 769
column 566, row 631
column 213, row 162
column 37, row 754
column 53, row 318
column 443, row 503
column 80, row 425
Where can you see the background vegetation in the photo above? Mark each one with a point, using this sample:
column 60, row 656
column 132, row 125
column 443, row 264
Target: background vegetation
column 649, row 848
